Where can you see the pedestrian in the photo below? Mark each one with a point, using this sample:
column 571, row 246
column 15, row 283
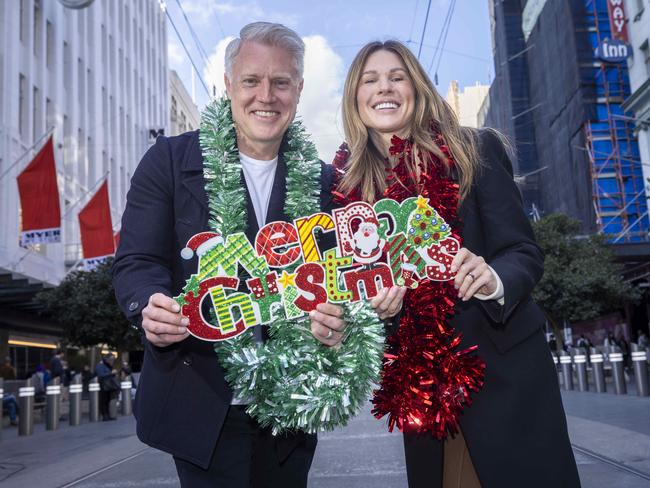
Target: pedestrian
column 7, row 371
column 642, row 339
column 552, row 343
column 38, row 381
column 584, row 342
column 109, row 386
column 404, row 141
column 184, row 406
column 10, row 404
column 56, row 366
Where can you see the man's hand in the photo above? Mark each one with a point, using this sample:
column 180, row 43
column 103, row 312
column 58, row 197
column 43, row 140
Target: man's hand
column 388, row 301
column 162, row 321
column 327, row 324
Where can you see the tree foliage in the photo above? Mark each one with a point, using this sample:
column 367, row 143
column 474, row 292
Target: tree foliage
column 581, row 280
column 84, row 305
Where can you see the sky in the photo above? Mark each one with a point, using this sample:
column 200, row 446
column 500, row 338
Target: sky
column 333, row 32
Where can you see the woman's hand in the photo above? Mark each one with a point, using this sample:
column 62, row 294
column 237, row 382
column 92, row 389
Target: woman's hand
column 474, row 275
column 327, row 324
column 388, row 301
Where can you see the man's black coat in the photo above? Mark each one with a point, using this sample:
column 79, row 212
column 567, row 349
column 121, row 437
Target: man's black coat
column 182, row 396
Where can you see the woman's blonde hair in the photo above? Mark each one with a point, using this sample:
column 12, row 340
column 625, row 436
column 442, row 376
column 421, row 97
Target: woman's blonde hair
column 365, row 168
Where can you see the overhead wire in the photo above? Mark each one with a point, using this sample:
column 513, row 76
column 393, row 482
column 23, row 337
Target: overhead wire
column 424, row 29
column 180, row 38
column 442, row 40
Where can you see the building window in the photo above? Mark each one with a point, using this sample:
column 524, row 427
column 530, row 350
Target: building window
column 22, row 106
column 173, row 112
column 23, row 20
column 38, row 31
column 645, row 52
column 49, row 114
column 37, row 114
column 49, row 34
column 67, row 65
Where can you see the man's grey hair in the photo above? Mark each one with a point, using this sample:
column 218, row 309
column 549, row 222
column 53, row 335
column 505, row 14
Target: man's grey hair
column 269, row 34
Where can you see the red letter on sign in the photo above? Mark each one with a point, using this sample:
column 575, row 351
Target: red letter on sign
column 310, row 278
column 273, row 236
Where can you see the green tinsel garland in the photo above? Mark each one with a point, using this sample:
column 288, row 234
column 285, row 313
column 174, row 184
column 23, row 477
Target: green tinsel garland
column 293, row 381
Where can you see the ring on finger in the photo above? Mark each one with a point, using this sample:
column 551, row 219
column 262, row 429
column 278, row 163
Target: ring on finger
column 330, row 333
column 471, row 275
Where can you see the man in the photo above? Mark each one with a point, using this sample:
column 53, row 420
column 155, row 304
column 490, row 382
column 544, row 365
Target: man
column 7, row 371
column 56, row 365
column 183, row 405
column 108, row 384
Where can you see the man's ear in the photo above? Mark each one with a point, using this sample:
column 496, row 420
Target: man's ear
column 226, row 82
column 300, row 85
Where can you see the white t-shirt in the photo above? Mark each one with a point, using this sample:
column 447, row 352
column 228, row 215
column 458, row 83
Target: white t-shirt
column 259, row 179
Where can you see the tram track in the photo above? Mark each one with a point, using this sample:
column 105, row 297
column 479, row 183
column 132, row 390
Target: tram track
column 611, row 462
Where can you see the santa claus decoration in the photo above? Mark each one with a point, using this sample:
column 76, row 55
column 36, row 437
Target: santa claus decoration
column 368, row 247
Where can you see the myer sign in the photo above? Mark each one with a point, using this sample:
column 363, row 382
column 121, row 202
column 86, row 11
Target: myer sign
column 613, row 51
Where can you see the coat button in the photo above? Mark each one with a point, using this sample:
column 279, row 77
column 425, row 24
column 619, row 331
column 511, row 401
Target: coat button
column 187, row 361
column 133, row 306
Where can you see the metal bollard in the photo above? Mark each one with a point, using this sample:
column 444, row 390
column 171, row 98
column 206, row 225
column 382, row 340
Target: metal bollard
column 26, row 405
column 125, row 400
column 580, row 360
column 597, row 360
column 93, row 400
column 567, row 371
column 616, row 358
column 53, row 394
column 75, row 391
column 639, row 359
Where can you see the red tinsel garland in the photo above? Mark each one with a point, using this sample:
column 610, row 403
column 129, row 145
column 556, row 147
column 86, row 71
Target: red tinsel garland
column 426, row 381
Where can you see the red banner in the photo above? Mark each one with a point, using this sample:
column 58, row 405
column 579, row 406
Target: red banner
column 96, row 228
column 39, row 199
column 617, row 19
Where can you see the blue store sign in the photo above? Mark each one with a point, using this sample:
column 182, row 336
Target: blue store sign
column 613, row 51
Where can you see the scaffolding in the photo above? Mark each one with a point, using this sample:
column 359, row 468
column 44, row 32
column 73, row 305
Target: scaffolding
column 618, row 189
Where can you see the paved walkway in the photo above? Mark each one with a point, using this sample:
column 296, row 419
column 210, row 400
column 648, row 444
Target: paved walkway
column 611, row 437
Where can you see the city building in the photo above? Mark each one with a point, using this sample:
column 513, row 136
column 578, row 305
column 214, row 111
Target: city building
column 96, row 78
column 562, row 90
column 184, row 115
column 467, row 103
column 508, row 106
column 638, row 103
column 587, row 155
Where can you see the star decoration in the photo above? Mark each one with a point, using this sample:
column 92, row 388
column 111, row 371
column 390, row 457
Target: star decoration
column 422, row 202
column 287, row 279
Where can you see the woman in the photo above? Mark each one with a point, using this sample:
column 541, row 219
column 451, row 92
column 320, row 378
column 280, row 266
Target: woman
column 403, row 140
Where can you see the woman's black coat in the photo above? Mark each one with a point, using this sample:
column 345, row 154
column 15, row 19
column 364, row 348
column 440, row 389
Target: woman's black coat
column 515, row 428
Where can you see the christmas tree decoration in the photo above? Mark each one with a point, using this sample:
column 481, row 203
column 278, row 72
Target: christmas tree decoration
column 426, row 227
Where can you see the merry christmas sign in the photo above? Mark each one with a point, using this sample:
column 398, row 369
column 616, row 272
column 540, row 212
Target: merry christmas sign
column 377, row 246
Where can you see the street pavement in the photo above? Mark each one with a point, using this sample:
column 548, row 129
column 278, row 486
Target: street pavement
column 610, row 434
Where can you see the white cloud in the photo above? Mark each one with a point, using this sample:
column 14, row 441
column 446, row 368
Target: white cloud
column 174, row 52
column 320, row 101
column 213, row 73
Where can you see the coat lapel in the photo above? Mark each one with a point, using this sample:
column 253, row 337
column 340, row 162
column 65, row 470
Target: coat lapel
column 192, row 172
